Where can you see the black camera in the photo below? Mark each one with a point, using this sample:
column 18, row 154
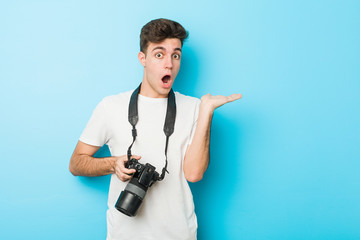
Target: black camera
column 131, row 198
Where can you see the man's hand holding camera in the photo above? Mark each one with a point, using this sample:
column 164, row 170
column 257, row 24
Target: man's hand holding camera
column 123, row 173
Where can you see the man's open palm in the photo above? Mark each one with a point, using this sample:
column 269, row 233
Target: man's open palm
column 217, row 101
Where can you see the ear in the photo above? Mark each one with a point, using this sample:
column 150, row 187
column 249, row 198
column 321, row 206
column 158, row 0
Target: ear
column 142, row 58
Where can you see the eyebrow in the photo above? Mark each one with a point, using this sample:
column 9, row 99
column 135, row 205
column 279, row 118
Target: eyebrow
column 162, row 48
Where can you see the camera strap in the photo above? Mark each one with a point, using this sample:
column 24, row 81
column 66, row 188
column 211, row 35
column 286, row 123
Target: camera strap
column 168, row 125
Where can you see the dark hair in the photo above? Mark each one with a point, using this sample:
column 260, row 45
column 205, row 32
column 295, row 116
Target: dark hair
column 158, row 30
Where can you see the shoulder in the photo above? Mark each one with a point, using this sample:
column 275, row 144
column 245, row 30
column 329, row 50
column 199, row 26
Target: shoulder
column 186, row 100
column 117, row 100
column 187, row 106
column 113, row 103
column 124, row 96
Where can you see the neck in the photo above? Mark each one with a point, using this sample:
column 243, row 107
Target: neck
column 148, row 91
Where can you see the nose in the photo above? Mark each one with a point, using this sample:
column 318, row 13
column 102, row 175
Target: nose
column 168, row 62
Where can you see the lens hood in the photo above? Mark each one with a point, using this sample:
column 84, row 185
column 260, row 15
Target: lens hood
column 128, row 203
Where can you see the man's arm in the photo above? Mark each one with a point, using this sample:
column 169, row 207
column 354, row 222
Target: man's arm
column 197, row 155
column 82, row 163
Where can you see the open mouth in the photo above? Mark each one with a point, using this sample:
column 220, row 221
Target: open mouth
column 166, row 79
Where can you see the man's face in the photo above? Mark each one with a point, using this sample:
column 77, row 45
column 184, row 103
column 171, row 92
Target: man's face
column 161, row 65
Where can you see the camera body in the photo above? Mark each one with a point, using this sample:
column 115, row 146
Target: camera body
column 131, row 198
column 145, row 173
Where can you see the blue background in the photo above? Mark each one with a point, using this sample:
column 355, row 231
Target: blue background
column 284, row 159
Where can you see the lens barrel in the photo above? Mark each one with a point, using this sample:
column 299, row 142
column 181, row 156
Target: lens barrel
column 131, row 198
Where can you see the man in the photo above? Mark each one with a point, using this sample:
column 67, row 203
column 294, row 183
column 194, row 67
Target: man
column 167, row 211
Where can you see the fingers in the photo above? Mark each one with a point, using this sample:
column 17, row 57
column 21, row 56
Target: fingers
column 234, row 97
column 136, row 157
column 209, row 102
column 125, row 170
column 230, row 98
column 123, row 173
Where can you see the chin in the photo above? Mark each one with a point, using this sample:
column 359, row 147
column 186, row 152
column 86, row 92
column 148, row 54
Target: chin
column 164, row 92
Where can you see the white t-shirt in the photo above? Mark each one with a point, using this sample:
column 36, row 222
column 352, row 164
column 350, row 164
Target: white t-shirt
column 167, row 211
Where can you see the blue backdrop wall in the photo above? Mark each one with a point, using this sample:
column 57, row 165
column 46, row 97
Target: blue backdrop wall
column 285, row 159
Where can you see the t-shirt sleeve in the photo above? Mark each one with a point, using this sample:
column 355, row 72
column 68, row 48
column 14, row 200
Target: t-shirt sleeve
column 196, row 115
column 96, row 130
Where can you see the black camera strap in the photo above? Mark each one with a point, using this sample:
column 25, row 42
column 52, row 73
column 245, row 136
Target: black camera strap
column 168, row 125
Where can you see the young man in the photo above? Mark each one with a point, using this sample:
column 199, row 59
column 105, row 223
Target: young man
column 167, row 211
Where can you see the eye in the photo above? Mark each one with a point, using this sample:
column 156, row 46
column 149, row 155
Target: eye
column 159, row 55
column 176, row 56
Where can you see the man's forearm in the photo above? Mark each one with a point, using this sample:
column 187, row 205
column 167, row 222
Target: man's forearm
column 85, row 165
column 197, row 157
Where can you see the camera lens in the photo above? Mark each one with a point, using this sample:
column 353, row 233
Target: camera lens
column 131, row 198
column 128, row 203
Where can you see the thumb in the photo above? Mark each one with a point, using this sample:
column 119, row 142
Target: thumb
column 136, row 157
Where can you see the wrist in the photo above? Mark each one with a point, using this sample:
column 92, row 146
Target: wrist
column 112, row 161
column 206, row 108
